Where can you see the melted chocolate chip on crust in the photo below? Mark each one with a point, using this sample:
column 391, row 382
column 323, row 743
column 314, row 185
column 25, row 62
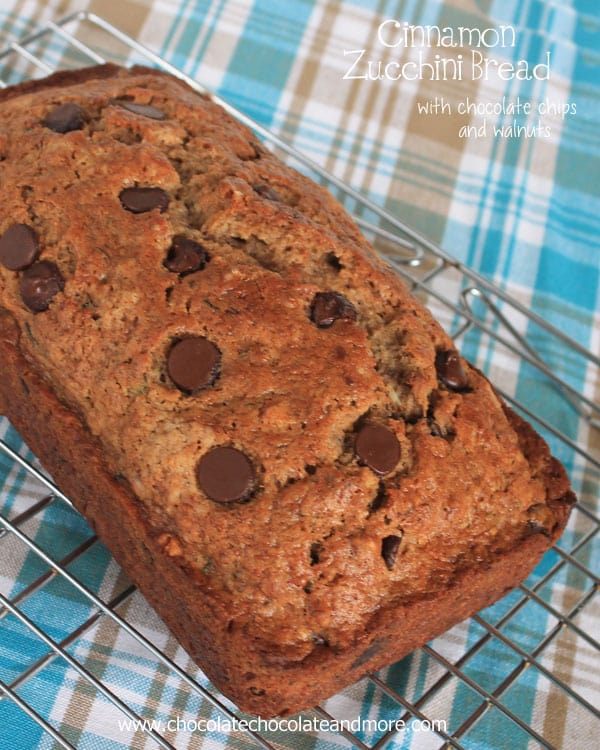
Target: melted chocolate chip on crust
column 19, row 247
column 193, row 363
column 327, row 307
column 389, row 550
column 139, row 200
column 377, row 447
column 64, row 118
column 450, row 370
column 225, row 475
column 185, row 256
column 146, row 110
column 39, row 284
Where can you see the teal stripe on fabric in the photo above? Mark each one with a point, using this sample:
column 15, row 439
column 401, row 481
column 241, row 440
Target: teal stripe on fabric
column 588, row 7
column 11, row 493
column 198, row 20
column 208, row 36
column 570, row 280
column 262, row 60
column 181, row 18
column 29, row 735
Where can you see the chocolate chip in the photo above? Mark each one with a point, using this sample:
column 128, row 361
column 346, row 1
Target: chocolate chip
column 146, row 110
column 315, row 551
column 450, row 370
column 327, row 307
column 389, row 550
column 18, row 247
column 226, row 475
column 266, row 191
column 332, row 260
column 377, row 447
column 185, row 256
column 64, row 118
column 193, row 363
column 139, row 200
column 39, row 283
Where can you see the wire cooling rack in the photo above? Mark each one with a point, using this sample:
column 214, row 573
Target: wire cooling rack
column 548, row 626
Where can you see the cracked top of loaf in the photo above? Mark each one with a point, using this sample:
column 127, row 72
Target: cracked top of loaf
column 299, row 431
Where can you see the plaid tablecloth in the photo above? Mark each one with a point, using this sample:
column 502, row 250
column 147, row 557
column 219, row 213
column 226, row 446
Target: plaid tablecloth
column 500, row 166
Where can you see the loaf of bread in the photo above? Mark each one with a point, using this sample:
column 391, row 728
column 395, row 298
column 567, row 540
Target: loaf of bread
column 273, row 437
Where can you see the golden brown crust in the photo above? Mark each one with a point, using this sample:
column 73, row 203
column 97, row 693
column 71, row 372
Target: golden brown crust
column 337, row 561
column 59, row 79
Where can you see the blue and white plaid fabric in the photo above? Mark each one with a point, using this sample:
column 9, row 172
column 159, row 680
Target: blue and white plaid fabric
column 523, row 210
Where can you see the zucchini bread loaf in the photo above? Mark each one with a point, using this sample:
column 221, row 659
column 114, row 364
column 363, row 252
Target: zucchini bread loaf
column 273, row 437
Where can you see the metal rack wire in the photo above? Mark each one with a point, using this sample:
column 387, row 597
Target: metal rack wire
column 483, row 318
